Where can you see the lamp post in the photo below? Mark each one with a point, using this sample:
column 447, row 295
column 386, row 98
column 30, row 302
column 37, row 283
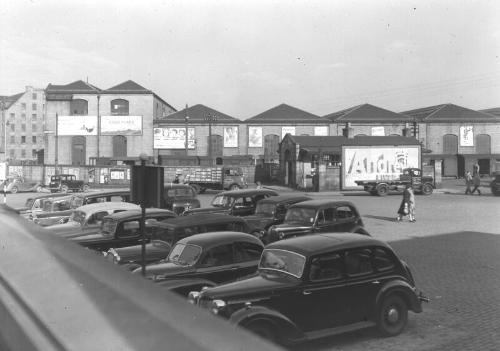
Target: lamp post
column 4, row 124
column 210, row 119
column 56, row 148
column 143, row 157
column 186, row 119
column 98, row 126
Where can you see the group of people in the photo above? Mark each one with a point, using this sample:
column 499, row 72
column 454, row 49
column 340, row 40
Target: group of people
column 472, row 180
column 407, row 206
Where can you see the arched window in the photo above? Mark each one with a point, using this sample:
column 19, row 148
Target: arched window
column 450, row 144
column 217, row 145
column 119, row 107
column 79, row 107
column 271, row 146
column 119, row 146
column 483, row 142
column 78, row 146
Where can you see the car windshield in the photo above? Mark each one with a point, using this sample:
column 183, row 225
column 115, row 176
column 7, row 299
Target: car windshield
column 265, row 209
column 108, row 226
column 185, row 255
column 283, row 261
column 78, row 216
column 300, row 215
column 184, row 192
column 29, row 203
column 54, row 178
column 222, row 201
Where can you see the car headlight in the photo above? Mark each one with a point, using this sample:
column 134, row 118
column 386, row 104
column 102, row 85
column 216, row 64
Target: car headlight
column 281, row 235
column 217, row 306
column 193, row 297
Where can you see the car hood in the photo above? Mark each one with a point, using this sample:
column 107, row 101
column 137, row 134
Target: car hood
column 292, row 227
column 65, row 228
column 167, row 268
column 209, row 210
column 130, row 254
column 259, row 220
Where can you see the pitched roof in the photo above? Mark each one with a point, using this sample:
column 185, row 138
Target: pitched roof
column 8, row 101
column 127, row 87
column 450, row 113
column 197, row 114
column 492, row 111
column 366, row 113
column 286, row 114
column 77, row 87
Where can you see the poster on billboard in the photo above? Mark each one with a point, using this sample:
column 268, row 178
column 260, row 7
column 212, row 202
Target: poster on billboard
column 321, row 131
column 231, row 136
column 287, row 130
column 377, row 163
column 254, row 136
column 173, row 138
column 466, row 136
column 77, row 125
column 121, row 125
column 378, row 131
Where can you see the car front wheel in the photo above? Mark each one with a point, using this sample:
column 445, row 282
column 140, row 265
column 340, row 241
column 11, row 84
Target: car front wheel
column 392, row 316
column 64, row 189
column 382, row 190
column 427, row 189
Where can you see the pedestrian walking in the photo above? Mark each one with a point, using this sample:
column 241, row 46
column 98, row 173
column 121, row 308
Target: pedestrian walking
column 404, row 207
column 411, row 205
column 468, row 183
column 476, row 182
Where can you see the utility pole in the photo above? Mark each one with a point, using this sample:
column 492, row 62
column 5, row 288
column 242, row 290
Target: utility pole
column 186, row 119
column 210, row 119
column 56, row 156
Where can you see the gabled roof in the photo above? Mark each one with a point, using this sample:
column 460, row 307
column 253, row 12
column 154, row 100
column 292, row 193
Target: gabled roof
column 286, row 114
column 127, row 87
column 8, row 101
column 492, row 111
column 450, row 113
column 197, row 114
column 77, row 87
column 366, row 113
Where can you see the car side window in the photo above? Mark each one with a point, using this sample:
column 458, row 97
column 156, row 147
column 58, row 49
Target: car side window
column 382, row 261
column 97, row 217
column 36, row 204
column 218, row 256
column 325, row 216
column 247, row 252
column 358, row 262
column 130, row 228
column 328, row 266
column 235, row 226
column 344, row 212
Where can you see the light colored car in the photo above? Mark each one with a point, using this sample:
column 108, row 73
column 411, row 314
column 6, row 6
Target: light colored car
column 54, row 210
column 87, row 219
column 18, row 184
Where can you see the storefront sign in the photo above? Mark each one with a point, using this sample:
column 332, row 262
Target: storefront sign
column 254, row 136
column 173, row 138
column 378, row 131
column 77, row 125
column 121, row 125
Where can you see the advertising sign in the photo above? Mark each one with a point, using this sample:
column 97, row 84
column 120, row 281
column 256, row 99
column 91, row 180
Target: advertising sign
column 321, row 131
column 77, row 125
column 287, row 130
column 121, row 125
column 377, row 163
column 467, row 136
column 173, row 138
column 230, row 136
column 378, row 131
column 254, row 136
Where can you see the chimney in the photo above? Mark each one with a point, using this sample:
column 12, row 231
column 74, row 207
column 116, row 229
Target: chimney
column 406, row 131
column 348, row 131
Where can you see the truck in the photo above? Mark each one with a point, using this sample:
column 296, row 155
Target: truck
column 216, row 178
column 410, row 176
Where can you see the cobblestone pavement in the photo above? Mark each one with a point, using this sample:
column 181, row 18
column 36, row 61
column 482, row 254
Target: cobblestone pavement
column 460, row 272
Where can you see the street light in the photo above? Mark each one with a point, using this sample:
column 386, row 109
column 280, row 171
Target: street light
column 210, row 119
column 186, row 119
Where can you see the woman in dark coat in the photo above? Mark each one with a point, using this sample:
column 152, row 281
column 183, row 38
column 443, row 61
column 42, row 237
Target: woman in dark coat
column 404, row 203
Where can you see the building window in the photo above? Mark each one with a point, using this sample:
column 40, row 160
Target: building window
column 12, row 153
column 23, row 139
column 12, row 127
column 23, row 153
column 33, row 116
column 119, row 107
column 79, row 107
column 483, row 144
column 23, row 106
column 34, row 154
column 12, row 139
column 23, row 127
column 23, row 116
column 450, row 144
column 33, row 128
column 33, row 96
column 33, row 139
column 33, row 106
column 119, row 146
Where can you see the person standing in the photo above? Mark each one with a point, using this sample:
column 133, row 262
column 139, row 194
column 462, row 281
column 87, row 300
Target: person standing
column 475, row 168
column 476, row 182
column 468, row 183
column 404, row 207
column 411, row 205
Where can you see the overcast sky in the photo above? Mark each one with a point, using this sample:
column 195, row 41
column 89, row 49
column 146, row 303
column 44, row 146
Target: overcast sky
column 244, row 57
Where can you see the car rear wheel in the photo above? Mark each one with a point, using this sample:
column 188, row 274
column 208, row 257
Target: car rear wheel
column 39, row 189
column 85, row 188
column 64, row 188
column 382, row 190
column 392, row 316
column 14, row 189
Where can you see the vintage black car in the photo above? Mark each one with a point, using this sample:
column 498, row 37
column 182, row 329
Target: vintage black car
column 65, row 182
column 271, row 211
column 166, row 233
column 179, row 197
column 317, row 286
column 235, row 202
column 317, row 216
column 495, row 185
column 121, row 229
column 207, row 260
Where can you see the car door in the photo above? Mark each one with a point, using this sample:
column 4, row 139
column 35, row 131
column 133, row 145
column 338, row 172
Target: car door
column 217, row 264
column 243, row 206
column 325, row 220
column 247, row 256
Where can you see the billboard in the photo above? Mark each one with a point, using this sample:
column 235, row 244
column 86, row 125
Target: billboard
column 173, row 138
column 77, row 125
column 121, row 125
column 287, row 130
column 231, row 136
column 321, row 131
column 377, row 162
column 254, row 136
column 378, row 131
column 467, row 136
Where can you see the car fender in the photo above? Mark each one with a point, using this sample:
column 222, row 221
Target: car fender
column 402, row 288
column 185, row 284
column 360, row 230
column 287, row 329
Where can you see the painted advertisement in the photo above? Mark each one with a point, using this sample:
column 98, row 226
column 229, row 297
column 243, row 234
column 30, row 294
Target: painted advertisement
column 287, row 130
column 121, row 125
column 254, row 136
column 231, row 136
column 466, row 136
column 77, row 125
column 378, row 131
column 173, row 138
column 321, row 131
column 377, row 162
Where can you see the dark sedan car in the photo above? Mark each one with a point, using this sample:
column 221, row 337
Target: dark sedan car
column 235, row 202
column 317, row 286
column 207, row 260
column 495, row 185
column 317, row 216
column 166, row 233
column 179, row 197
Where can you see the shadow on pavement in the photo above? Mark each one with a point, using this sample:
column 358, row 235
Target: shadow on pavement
column 382, row 218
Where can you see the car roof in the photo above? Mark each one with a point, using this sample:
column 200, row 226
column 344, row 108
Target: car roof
column 137, row 213
column 219, row 238
column 107, row 205
column 285, row 198
column 202, row 219
column 176, row 186
column 308, row 245
column 48, row 195
column 103, row 193
column 246, row 192
column 320, row 203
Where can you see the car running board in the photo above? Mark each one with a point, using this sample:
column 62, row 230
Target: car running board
column 338, row 330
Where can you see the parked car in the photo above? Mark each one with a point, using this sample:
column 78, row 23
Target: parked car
column 207, row 260
column 65, row 182
column 18, row 184
column 166, row 233
column 121, row 229
column 87, row 219
column 317, row 286
column 495, row 185
column 179, row 197
column 54, row 210
column 317, row 216
column 235, row 202
column 35, row 203
column 271, row 211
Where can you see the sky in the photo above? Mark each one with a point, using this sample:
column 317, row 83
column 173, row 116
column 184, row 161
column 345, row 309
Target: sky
column 244, row 57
